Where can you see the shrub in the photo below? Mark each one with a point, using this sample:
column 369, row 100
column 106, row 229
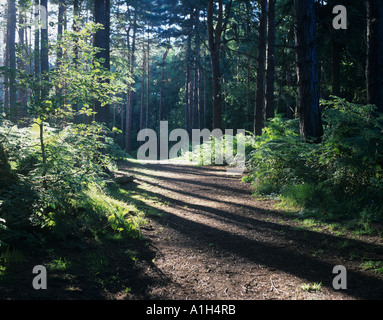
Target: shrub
column 340, row 176
column 64, row 199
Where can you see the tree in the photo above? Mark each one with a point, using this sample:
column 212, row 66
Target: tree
column 129, row 100
column 22, row 97
column 260, row 94
column 306, row 63
column 102, row 41
column 44, row 56
column 10, row 92
column 374, row 65
column 83, row 83
column 215, row 34
column 270, row 69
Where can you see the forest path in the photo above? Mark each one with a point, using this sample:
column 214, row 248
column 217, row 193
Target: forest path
column 214, row 240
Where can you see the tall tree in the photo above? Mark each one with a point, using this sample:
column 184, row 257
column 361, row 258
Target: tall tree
column 147, row 81
column 37, row 41
column 21, row 62
column 197, row 73
column 215, row 34
column 270, row 69
column 11, row 108
column 374, row 65
column 161, row 108
column 306, row 63
column 260, row 94
column 60, row 26
column 102, row 41
column 44, row 55
column 143, row 85
column 129, row 100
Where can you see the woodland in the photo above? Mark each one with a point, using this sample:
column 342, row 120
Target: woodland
column 299, row 83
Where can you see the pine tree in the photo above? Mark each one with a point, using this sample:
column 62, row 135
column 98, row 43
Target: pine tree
column 306, row 62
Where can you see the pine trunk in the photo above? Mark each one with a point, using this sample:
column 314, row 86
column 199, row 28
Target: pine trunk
column 307, row 70
column 101, row 40
column 260, row 94
column 270, row 70
column 374, row 64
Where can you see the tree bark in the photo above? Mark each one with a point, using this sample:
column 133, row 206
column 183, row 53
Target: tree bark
column 335, row 67
column 21, row 64
column 197, row 106
column 11, row 99
column 148, row 83
column 129, row 104
column 214, row 35
column 306, row 63
column 374, row 64
column 162, row 84
column 37, row 44
column 270, row 70
column 188, row 94
column 44, row 55
column 60, row 28
column 143, row 86
column 101, row 40
column 260, row 94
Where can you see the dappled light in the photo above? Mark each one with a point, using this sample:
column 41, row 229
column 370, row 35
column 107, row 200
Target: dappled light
column 166, row 150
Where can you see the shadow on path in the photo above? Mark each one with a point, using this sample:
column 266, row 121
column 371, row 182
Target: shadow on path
column 246, row 233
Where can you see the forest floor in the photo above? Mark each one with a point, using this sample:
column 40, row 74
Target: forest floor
column 208, row 238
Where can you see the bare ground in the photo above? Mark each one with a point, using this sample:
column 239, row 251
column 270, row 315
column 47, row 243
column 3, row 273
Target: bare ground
column 214, row 240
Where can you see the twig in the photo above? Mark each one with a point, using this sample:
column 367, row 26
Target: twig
column 273, row 286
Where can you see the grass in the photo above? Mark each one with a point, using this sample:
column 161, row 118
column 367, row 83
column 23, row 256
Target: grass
column 376, row 266
column 316, row 287
column 11, row 256
column 60, row 264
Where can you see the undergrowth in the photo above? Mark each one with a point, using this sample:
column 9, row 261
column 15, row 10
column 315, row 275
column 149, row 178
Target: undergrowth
column 66, row 200
column 340, row 178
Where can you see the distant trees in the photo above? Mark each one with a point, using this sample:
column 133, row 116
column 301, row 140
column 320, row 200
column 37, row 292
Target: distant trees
column 215, row 64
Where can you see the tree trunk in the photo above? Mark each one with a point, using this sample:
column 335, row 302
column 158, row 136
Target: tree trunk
column 162, row 85
column 143, row 87
column 44, row 52
column 60, row 28
column 44, row 41
column 188, row 104
column 101, row 40
column 214, row 35
column 148, row 83
column 335, row 67
column 197, row 107
column 270, row 71
column 260, row 94
column 129, row 104
column 10, row 106
column 21, row 64
column 374, row 64
column 248, row 91
column 307, row 70
column 37, row 44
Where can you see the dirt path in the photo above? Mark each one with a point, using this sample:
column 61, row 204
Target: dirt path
column 215, row 241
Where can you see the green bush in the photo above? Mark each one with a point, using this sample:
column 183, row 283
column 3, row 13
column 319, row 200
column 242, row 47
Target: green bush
column 57, row 200
column 340, row 176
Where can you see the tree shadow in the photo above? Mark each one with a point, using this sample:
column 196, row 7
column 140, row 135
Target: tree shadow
column 291, row 252
column 274, row 256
